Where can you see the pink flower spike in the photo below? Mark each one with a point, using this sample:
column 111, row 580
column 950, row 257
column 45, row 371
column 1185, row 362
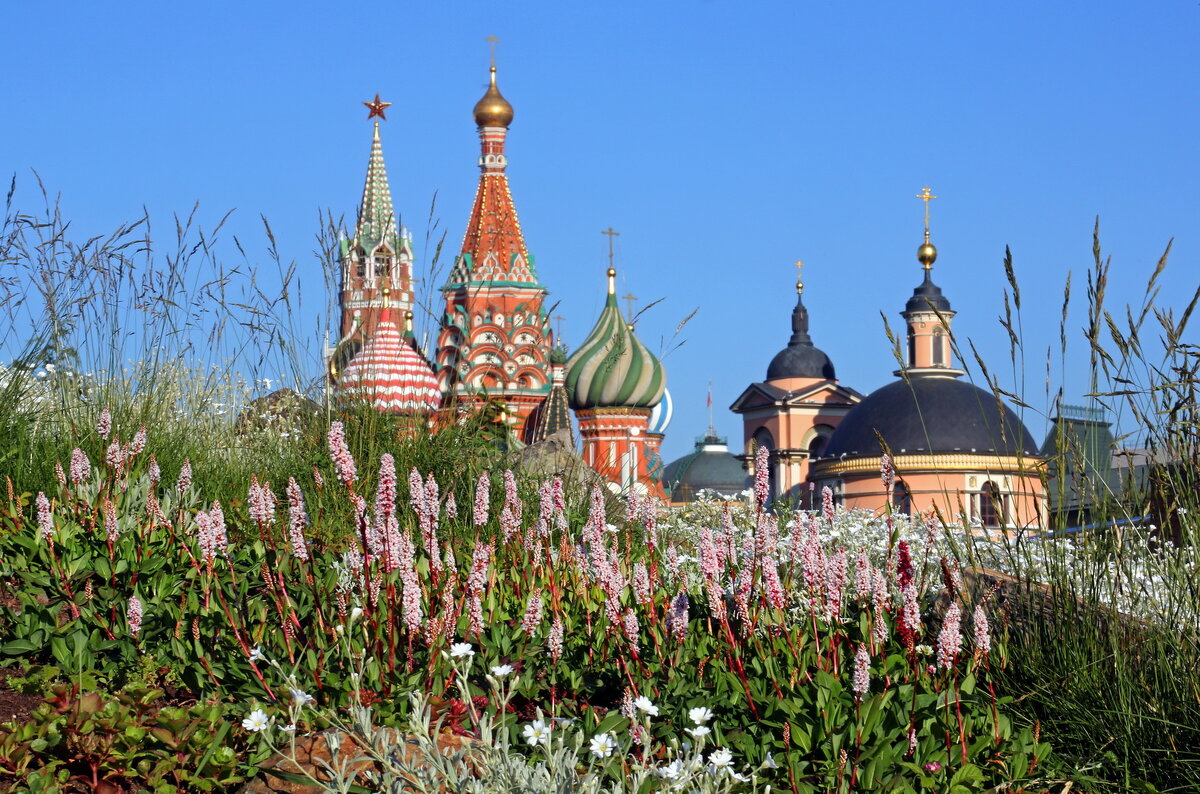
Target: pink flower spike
column 949, row 641
column 104, row 425
column 827, row 504
column 110, row 520
column 762, row 472
column 45, row 518
column 343, row 461
column 297, row 519
column 81, row 467
column 133, row 614
column 555, row 641
column 862, row 672
column 887, row 474
column 139, row 441
column 185, row 477
column 983, row 636
column 630, row 625
column 483, row 495
column 533, row 614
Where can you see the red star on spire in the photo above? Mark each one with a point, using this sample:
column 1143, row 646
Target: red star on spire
column 377, row 108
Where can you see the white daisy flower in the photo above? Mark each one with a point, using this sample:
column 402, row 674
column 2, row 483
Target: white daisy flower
column 644, row 705
column 603, row 745
column 537, row 732
column 256, row 721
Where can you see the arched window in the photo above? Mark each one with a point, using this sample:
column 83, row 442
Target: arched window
column 939, row 348
column 991, row 505
column 901, row 500
column 912, row 347
column 816, row 447
column 383, row 269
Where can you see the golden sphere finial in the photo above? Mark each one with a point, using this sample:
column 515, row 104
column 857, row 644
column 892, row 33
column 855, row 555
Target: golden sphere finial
column 927, row 254
column 493, row 110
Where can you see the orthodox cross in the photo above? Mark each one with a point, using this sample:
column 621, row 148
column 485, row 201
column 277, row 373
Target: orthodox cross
column 558, row 321
column 493, row 41
column 377, row 108
column 629, row 298
column 925, row 195
column 799, row 279
column 611, row 234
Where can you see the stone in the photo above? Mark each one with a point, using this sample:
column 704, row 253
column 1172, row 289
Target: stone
column 312, row 752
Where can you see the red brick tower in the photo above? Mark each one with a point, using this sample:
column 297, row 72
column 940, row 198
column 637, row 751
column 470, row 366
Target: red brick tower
column 495, row 340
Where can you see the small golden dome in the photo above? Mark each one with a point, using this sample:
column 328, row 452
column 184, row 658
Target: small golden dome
column 493, row 110
column 927, row 254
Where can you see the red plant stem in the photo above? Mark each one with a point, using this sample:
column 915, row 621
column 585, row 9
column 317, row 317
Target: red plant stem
column 962, row 733
column 736, row 663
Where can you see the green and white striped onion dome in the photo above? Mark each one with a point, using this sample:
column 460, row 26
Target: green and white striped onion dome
column 612, row 368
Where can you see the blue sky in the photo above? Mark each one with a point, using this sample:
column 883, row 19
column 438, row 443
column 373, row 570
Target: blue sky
column 723, row 140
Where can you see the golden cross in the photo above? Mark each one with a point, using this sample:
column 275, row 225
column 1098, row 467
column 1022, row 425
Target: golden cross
column 629, row 298
column 493, row 41
column 925, row 195
column 799, row 279
column 611, row 234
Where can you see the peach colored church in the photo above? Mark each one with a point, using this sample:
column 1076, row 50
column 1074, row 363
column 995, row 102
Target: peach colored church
column 957, row 449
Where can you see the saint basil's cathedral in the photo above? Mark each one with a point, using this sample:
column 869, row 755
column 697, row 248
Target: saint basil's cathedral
column 956, row 449
column 494, row 342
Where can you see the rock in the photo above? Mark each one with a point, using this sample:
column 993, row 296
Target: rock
column 312, row 752
column 283, row 410
column 555, row 456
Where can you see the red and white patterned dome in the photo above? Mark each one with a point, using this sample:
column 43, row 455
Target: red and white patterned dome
column 390, row 374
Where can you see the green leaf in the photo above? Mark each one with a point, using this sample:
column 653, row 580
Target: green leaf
column 967, row 774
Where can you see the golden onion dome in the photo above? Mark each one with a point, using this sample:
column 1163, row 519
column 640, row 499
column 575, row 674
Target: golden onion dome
column 493, row 110
column 927, row 254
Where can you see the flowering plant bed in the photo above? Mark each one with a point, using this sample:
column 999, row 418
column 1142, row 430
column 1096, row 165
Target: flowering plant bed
column 811, row 665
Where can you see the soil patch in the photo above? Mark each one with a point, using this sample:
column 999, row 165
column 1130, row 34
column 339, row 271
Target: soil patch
column 15, row 706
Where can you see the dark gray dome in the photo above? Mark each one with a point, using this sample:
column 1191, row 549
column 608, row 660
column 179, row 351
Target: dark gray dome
column 931, row 414
column 800, row 359
column 926, row 295
column 710, row 466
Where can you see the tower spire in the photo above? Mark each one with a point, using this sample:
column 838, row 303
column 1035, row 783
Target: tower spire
column 926, row 254
column 493, row 246
column 376, row 218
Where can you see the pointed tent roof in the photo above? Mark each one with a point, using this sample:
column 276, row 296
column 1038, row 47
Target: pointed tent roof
column 390, row 374
column 493, row 248
column 376, row 218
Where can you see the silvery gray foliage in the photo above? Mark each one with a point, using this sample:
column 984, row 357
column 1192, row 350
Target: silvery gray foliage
column 412, row 761
column 1128, row 568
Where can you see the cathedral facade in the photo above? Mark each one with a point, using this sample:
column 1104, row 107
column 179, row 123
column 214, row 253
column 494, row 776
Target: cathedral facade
column 954, row 449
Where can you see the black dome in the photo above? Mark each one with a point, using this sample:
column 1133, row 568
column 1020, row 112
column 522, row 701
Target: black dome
column 931, row 414
column 710, row 466
column 801, row 361
column 927, row 295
